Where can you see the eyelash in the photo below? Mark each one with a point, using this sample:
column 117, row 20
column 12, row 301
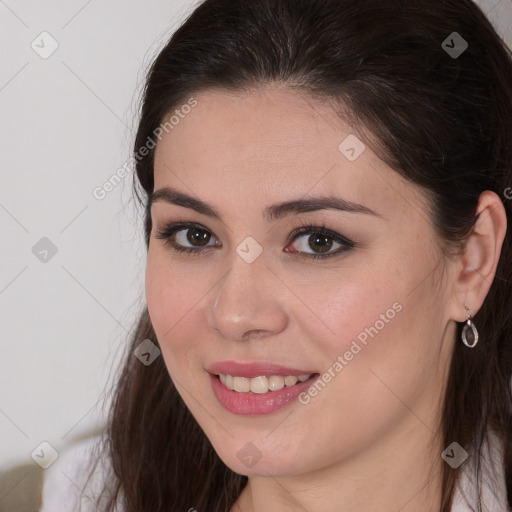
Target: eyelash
column 172, row 228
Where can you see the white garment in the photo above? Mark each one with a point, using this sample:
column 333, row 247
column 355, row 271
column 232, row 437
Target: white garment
column 494, row 493
column 65, row 479
column 64, row 485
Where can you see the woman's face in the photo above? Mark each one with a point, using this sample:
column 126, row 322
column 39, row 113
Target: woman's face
column 368, row 320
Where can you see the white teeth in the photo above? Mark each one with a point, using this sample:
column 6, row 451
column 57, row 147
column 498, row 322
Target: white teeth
column 291, row 380
column 261, row 384
column 275, row 382
column 227, row 380
column 241, row 384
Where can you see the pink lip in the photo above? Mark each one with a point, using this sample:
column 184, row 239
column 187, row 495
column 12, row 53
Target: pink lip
column 250, row 370
column 258, row 404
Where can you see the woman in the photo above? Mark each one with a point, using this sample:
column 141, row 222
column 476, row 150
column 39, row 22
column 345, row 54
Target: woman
column 327, row 190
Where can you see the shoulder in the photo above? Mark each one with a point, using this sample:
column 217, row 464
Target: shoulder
column 66, row 486
column 493, row 487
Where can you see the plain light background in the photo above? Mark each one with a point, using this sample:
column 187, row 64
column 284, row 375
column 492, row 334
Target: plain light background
column 67, row 124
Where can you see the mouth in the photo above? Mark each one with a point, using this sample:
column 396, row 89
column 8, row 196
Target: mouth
column 260, row 395
column 257, row 388
column 263, row 383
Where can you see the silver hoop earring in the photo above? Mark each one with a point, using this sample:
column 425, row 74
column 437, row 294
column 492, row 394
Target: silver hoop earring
column 469, row 332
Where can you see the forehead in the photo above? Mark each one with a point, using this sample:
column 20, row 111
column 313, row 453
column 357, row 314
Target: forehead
column 272, row 143
column 269, row 125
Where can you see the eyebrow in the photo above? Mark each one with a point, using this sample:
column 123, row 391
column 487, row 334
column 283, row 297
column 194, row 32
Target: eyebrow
column 272, row 212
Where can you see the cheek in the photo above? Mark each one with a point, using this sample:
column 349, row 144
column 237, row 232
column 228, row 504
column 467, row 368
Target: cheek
column 169, row 297
column 175, row 298
column 170, row 291
column 388, row 334
column 379, row 318
column 360, row 306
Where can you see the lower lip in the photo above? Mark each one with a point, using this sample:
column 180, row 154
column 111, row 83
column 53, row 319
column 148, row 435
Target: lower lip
column 255, row 403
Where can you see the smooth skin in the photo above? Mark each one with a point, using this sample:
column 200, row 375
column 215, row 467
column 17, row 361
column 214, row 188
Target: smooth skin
column 366, row 442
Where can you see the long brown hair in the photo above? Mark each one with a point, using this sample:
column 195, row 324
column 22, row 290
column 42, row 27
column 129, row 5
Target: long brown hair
column 442, row 121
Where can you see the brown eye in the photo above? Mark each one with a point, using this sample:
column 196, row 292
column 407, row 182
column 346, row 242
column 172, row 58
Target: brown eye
column 197, row 236
column 318, row 242
column 186, row 237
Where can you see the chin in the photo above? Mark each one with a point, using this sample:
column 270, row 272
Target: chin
column 253, row 458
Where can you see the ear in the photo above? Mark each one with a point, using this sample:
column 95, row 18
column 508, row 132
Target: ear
column 475, row 267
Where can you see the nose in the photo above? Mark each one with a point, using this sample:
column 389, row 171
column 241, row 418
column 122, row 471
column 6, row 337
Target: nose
column 248, row 302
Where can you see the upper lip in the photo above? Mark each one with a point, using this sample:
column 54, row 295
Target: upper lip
column 255, row 369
